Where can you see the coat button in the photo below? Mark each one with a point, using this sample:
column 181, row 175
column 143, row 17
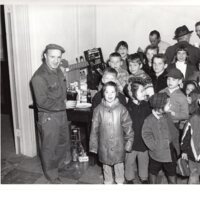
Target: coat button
column 112, row 149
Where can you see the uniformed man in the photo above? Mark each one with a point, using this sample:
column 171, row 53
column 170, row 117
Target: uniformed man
column 49, row 87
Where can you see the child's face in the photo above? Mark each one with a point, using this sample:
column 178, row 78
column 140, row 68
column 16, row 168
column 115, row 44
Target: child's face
column 107, row 77
column 173, row 82
column 115, row 62
column 134, row 67
column 150, row 53
column 123, row 51
column 189, row 88
column 158, row 65
column 181, row 56
column 141, row 93
column 110, row 94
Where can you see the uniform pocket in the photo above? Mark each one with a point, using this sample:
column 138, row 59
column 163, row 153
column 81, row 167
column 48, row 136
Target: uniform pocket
column 45, row 118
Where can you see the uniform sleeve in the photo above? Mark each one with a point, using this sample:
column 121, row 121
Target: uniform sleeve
column 147, row 135
column 126, row 123
column 94, row 135
column 41, row 95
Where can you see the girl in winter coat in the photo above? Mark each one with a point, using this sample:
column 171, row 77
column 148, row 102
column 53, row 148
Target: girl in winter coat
column 111, row 134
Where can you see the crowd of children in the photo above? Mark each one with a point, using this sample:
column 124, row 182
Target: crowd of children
column 146, row 115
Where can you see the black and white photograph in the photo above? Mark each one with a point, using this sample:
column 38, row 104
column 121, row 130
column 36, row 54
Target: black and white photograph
column 100, row 93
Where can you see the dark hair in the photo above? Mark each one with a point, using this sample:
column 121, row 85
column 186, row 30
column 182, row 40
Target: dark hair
column 181, row 48
column 151, row 47
column 186, row 83
column 161, row 56
column 110, row 70
column 132, row 89
column 197, row 24
column 121, row 43
column 135, row 57
column 155, row 32
column 115, row 54
column 110, row 83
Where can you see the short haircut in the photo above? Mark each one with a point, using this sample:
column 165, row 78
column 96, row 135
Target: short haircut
column 110, row 83
column 115, row 54
column 110, row 70
column 135, row 58
column 153, row 47
column 197, row 24
column 155, row 32
column 161, row 56
column 121, row 43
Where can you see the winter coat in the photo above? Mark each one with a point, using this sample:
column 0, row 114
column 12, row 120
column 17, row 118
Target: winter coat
column 190, row 142
column 111, row 132
column 158, row 134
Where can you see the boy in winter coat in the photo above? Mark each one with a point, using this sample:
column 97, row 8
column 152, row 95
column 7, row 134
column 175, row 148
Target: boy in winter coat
column 190, row 143
column 111, row 134
column 162, row 139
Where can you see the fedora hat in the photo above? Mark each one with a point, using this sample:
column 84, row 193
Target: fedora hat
column 180, row 31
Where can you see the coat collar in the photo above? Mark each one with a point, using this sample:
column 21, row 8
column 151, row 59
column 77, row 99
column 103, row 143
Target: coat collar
column 115, row 103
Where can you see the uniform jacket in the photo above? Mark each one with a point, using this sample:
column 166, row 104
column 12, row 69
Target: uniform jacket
column 110, row 133
column 194, row 52
column 158, row 134
column 190, row 142
column 49, row 89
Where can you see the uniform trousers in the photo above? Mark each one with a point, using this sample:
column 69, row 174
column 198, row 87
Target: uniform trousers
column 55, row 145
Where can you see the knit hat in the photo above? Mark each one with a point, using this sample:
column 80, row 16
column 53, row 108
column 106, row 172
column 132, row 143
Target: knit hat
column 158, row 100
column 54, row 46
column 175, row 73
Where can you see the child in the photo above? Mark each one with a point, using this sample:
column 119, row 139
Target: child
column 150, row 52
column 159, row 77
column 138, row 109
column 115, row 61
column 190, row 143
column 189, row 86
column 111, row 134
column 161, row 137
column 122, row 49
column 135, row 67
column 182, row 63
column 109, row 74
column 179, row 105
column 136, row 72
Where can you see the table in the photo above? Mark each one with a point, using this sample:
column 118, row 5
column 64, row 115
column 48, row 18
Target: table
column 83, row 118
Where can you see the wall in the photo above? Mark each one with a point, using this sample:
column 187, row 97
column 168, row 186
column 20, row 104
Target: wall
column 133, row 24
column 73, row 27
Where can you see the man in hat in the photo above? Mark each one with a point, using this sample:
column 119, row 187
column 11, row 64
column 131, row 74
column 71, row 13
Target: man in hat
column 182, row 35
column 49, row 87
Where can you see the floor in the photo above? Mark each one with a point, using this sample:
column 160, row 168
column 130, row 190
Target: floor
column 18, row 169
